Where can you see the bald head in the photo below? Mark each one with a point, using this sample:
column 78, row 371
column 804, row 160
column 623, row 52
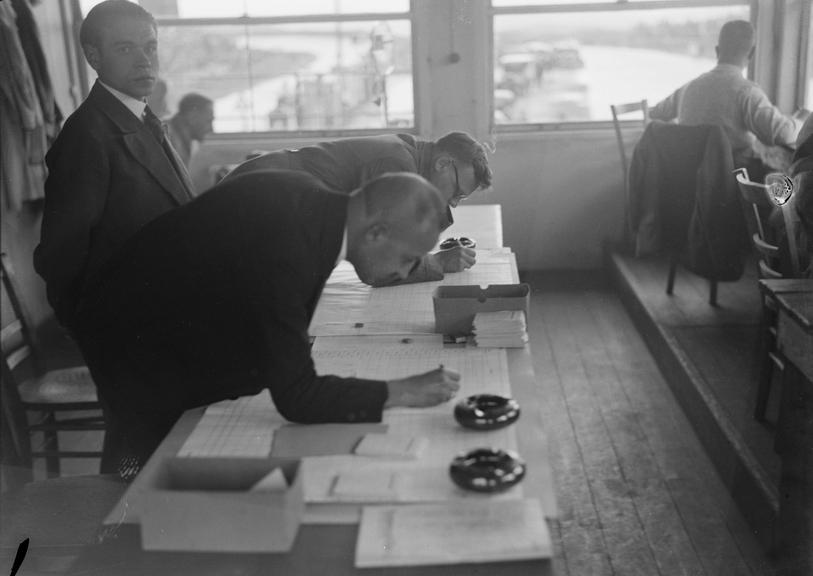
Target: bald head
column 736, row 43
column 392, row 221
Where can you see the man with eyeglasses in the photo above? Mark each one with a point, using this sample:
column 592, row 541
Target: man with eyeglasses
column 455, row 163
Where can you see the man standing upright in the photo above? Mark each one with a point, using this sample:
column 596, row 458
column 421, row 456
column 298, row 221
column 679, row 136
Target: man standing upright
column 190, row 125
column 111, row 169
column 723, row 96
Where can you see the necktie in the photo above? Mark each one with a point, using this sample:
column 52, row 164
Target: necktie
column 153, row 124
column 156, row 128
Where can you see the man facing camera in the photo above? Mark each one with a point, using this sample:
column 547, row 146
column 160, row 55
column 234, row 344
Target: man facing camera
column 456, row 164
column 213, row 301
column 725, row 98
column 111, row 169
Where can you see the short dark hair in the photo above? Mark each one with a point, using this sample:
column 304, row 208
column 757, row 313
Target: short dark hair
column 463, row 147
column 735, row 41
column 193, row 101
column 104, row 14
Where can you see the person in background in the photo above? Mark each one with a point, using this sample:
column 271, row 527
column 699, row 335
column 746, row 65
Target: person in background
column 234, row 278
column 455, row 163
column 190, row 125
column 111, row 170
column 723, row 96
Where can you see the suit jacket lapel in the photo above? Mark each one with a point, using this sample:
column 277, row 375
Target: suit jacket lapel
column 141, row 145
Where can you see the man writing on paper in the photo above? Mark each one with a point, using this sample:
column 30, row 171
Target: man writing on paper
column 213, row 301
column 456, row 164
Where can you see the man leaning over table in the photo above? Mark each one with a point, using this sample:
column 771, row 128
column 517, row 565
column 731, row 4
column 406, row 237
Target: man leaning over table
column 724, row 97
column 455, row 163
column 213, row 301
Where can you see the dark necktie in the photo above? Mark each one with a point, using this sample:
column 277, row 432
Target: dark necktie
column 154, row 124
column 156, row 128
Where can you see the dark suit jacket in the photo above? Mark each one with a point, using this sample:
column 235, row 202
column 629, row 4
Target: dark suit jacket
column 108, row 176
column 213, row 301
column 683, row 198
column 348, row 163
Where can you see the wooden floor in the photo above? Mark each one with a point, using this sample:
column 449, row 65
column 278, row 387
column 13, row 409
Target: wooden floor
column 637, row 493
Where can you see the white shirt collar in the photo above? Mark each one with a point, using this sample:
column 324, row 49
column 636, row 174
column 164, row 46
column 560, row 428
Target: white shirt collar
column 343, row 251
column 134, row 105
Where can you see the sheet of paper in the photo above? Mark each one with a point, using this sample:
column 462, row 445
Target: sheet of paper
column 406, row 482
column 242, row 428
column 274, row 481
column 301, row 440
column 480, row 370
column 351, row 308
column 381, row 341
column 391, row 446
column 452, row 533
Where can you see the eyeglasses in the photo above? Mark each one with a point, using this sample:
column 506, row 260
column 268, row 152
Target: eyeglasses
column 459, row 193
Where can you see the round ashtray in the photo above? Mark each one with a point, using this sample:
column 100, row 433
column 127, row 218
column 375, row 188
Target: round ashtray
column 487, row 470
column 454, row 242
column 486, row 412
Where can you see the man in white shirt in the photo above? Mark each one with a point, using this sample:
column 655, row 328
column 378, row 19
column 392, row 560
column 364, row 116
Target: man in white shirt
column 111, row 170
column 723, row 96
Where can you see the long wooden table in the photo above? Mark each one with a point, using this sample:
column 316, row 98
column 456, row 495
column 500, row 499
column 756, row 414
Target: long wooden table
column 328, row 548
column 794, row 545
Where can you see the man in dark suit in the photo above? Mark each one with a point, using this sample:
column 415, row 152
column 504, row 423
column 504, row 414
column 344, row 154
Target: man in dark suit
column 455, row 163
column 111, row 170
column 213, row 301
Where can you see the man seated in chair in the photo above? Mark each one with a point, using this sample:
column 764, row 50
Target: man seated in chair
column 456, row 164
column 722, row 96
column 213, row 301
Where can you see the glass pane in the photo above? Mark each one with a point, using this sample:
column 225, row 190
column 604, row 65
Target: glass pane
column 234, row 8
column 571, row 67
column 323, row 76
column 809, row 95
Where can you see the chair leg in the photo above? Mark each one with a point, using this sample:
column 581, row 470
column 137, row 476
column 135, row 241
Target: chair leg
column 670, row 283
column 51, row 448
column 713, row 292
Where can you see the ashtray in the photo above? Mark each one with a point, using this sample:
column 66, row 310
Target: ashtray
column 486, row 412
column 454, row 242
column 487, row 470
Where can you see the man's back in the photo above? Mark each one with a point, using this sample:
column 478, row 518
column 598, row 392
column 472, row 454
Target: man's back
column 724, row 97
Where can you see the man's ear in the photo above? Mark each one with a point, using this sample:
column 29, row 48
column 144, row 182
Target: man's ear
column 442, row 163
column 93, row 56
column 377, row 232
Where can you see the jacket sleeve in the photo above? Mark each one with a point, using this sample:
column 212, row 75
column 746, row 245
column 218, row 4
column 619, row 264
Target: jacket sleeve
column 76, row 191
column 299, row 394
column 666, row 109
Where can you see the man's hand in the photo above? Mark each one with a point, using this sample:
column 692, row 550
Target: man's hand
column 455, row 259
column 422, row 390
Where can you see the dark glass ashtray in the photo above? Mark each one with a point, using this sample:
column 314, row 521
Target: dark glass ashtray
column 454, row 242
column 487, row 470
column 486, row 411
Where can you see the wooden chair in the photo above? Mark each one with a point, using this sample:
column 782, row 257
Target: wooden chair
column 33, row 397
column 755, row 200
column 618, row 110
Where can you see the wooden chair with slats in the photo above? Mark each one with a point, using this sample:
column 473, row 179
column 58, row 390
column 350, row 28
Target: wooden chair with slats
column 755, row 201
column 36, row 401
column 618, row 110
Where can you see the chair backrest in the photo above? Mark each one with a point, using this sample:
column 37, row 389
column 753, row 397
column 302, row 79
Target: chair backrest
column 17, row 339
column 755, row 196
column 622, row 110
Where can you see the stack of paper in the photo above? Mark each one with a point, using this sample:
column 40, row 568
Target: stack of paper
column 502, row 329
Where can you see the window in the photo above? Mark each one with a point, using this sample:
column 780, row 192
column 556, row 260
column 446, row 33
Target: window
column 568, row 60
column 289, row 66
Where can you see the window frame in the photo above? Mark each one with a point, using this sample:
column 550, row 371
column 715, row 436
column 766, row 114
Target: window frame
column 586, row 7
column 408, row 16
